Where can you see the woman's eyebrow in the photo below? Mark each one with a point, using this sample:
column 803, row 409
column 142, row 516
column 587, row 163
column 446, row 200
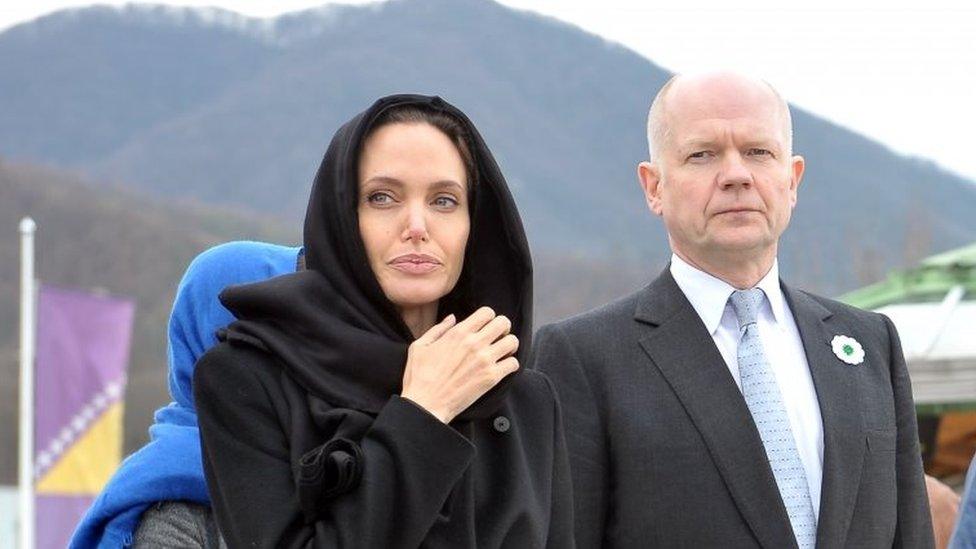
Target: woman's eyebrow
column 439, row 185
column 383, row 180
column 444, row 184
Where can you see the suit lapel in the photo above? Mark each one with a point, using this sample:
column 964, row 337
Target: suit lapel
column 680, row 347
column 839, row 398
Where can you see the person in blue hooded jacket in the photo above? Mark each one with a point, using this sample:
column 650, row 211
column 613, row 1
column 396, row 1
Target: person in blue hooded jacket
column 964, row 536
column 164, row 479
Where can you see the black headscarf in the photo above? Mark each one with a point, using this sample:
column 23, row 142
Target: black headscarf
column 332, row 327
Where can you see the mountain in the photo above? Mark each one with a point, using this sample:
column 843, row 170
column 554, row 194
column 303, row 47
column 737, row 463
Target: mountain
column 236, row 111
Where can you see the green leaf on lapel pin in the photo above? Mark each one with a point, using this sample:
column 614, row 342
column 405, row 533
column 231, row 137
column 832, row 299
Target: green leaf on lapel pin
column 847, row 349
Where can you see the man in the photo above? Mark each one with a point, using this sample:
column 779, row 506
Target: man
column 719, row 407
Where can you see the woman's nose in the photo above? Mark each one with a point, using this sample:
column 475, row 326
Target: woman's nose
column 416, row 224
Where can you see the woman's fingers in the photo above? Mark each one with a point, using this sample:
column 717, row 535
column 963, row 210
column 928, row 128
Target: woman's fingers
column 455, row 363
column 496, row 328
column 503, row 347
column 437, row 330
column 507, row 366
column 476, row 321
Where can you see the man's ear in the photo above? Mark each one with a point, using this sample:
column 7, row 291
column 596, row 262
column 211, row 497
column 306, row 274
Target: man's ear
column 649, row 174
column 797, row 166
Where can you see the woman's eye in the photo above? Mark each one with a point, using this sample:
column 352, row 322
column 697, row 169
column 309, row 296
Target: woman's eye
column 446, row 202
column 379, row 198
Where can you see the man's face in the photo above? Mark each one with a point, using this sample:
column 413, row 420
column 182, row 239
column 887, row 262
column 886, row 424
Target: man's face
column 724, row 181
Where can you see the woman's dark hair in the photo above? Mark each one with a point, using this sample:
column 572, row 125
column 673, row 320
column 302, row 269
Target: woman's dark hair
column 443, row 121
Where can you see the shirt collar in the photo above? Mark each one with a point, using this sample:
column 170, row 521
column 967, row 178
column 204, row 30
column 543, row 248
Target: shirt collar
column 774, row 293
column 708, row 294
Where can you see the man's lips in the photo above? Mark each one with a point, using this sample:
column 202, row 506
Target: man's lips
column 415, row 263
column 736, row 210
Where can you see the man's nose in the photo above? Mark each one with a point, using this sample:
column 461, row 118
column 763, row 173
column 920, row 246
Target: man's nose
column 734, row 173
column 416, row 223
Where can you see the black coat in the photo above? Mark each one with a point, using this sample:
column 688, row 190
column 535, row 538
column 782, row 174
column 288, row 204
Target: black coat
column 501, row 481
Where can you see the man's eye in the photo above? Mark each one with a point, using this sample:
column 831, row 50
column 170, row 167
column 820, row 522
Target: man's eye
column 698, row 155
column 759, row 152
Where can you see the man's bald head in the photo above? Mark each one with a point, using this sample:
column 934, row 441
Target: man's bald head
column 690, row 86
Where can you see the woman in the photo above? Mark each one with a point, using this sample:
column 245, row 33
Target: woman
column 164, row 479
column 373, row 400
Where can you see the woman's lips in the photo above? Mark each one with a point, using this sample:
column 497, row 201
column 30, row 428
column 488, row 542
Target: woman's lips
column 415, row 263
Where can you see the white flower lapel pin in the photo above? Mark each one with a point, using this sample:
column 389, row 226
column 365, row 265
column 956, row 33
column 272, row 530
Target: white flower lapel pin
column 847, row 349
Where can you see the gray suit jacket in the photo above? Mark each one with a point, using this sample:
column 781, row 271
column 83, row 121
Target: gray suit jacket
column 664, row 452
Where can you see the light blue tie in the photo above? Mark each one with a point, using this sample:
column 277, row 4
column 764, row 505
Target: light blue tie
column 766, row 406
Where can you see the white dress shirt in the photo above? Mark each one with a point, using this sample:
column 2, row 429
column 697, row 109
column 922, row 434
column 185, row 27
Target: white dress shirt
column 784, row 349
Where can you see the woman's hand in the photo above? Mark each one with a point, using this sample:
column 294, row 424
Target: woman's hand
column 454, row 363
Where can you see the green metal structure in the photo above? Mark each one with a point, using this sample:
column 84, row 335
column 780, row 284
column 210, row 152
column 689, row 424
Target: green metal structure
column 929, row 282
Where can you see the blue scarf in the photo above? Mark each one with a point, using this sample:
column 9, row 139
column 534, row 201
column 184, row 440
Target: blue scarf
column 964, row 534
column 170, row 467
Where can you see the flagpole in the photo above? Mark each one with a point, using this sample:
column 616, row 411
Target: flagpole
column 27, row 333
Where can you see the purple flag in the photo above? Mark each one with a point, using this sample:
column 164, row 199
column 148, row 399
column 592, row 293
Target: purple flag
column 82, row 352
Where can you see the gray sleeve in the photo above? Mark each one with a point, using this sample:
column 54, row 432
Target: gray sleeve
column 914, row 528
column 554, row 355
column 177, row 525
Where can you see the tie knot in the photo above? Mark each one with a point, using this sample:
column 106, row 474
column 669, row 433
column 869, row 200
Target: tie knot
column 745, row 304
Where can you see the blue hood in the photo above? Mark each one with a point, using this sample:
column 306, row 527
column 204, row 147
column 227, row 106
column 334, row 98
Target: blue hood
column 170, row 467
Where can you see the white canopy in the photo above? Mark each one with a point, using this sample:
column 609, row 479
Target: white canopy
column 939, row 342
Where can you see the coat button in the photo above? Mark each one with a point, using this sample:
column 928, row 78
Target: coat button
column 501, row 424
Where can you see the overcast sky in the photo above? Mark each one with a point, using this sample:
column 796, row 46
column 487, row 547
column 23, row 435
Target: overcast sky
column 901, row 73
